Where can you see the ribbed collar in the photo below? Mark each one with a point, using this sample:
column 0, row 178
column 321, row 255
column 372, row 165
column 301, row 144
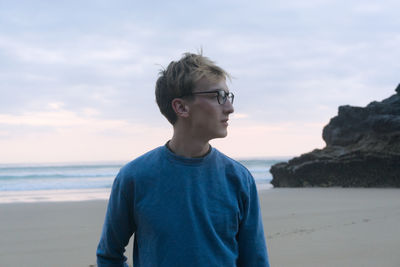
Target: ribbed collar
column 171, row 156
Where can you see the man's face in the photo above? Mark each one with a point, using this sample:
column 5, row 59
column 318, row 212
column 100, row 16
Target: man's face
column 208, row 118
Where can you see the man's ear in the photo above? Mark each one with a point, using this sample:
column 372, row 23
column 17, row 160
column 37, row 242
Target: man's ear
column 180, row 107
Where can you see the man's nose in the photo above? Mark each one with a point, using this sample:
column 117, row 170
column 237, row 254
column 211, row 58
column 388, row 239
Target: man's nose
column 228, row 107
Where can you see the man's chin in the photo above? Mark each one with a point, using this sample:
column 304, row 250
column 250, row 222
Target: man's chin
column 222, row 134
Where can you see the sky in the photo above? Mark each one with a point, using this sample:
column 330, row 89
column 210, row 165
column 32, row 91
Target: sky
column 77, row 77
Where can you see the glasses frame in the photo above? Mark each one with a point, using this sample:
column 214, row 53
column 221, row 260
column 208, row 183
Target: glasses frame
column 219, row 93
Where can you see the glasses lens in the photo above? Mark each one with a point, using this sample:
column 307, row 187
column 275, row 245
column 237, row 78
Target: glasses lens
column 222, row 97
column 231, row 97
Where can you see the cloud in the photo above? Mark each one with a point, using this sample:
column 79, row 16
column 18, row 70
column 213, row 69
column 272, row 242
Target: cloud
column 239, row 116
column 65, row 120
column 369, row 8
column 111, row 70
column 61, row 135
column 277, row 139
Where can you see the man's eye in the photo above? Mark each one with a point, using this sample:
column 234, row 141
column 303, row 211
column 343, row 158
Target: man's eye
column 221, row 93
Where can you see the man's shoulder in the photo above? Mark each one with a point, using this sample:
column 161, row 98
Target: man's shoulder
column 235, row 171
column 143, row 163
column 232, row 164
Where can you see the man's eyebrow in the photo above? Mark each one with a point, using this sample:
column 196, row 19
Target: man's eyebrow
column 221, row 89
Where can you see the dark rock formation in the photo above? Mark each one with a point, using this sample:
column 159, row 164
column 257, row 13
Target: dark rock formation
column 362, row 150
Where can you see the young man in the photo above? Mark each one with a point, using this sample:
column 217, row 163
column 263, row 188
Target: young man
column 188, row 204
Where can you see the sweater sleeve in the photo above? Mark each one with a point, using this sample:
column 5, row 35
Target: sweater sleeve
column 118, row 226
column 252, row 245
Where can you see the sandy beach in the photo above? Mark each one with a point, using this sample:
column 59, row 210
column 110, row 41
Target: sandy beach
column 304, row 227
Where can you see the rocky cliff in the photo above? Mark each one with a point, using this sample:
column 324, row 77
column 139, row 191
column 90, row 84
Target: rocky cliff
column 362, row 150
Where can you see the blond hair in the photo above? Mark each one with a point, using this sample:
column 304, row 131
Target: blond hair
column 180, row 78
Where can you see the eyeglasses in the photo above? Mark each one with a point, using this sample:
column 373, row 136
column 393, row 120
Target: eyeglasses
column 222, row 95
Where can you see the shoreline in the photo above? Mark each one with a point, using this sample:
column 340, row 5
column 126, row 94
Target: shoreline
column 69, row 195
column 303, row 227
column 65, row 195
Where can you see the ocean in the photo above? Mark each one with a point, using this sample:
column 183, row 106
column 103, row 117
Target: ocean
column 83, row 181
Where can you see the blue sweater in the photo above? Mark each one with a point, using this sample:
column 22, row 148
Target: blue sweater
column 184, row 212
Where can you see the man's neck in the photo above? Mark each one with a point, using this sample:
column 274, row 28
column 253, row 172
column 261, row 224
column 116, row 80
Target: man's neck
column 188, row 148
